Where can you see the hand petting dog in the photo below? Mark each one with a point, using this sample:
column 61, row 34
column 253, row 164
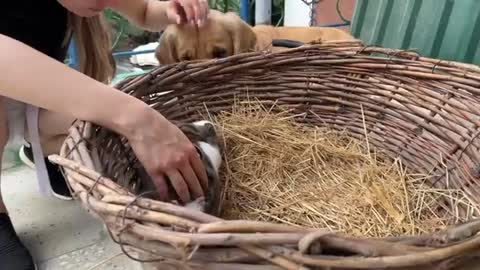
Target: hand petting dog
column 193, row 12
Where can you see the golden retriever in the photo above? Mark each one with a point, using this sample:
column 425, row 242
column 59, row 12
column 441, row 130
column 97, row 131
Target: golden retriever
column 226, row 34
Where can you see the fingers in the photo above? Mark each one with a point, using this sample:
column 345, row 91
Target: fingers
column 185, row 182
column 195, row 11
column 189, row 11
column 200, row 171
column 204, row 7
column 161, row 186
column 179, row 185
column 204, row 10
column 188, row 182
column 192, row 180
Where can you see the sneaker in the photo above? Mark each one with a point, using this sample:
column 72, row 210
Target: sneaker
column 57, row 181
column 26, row 156
column 13, row 254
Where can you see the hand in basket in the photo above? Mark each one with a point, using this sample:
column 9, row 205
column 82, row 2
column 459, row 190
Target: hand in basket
column 165, row 151
column 188, row 11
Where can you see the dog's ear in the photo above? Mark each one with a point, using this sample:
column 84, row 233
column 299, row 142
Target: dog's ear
column 166, row 52
column 242, row 36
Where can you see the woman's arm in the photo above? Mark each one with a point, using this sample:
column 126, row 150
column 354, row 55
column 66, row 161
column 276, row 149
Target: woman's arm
column 154, row 15
column 34, row 78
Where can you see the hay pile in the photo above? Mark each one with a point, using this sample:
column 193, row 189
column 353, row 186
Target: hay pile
column 279, row 171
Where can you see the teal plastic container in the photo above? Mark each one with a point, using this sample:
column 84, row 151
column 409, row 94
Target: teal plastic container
column 444, row 29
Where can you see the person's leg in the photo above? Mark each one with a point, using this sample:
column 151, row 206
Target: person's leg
column 3, row 209
column 13, row 254
column 53, row 128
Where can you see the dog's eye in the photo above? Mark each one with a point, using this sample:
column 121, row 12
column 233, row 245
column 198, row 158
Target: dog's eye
column 219, row 52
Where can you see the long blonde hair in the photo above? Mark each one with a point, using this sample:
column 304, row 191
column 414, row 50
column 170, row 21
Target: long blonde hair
column 94, row 46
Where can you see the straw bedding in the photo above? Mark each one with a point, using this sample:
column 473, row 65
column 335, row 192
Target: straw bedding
column 277, row 170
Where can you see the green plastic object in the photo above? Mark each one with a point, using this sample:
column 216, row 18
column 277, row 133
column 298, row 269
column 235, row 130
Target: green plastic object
column 443, row 29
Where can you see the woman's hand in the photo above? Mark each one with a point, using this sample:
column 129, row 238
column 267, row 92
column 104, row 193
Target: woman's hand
column 164, row 152
column 188, row 11
column 154, row 15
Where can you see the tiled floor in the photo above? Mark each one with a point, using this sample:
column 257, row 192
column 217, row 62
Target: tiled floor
column 60, row 234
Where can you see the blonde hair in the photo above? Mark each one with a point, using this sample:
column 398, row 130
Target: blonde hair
column 94, row 46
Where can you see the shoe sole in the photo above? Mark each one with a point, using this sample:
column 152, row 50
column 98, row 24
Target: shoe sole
column 61, row 197
column 25, row 159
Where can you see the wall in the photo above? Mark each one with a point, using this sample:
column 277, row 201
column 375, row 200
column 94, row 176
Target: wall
column 444, row 29
column 326, row 12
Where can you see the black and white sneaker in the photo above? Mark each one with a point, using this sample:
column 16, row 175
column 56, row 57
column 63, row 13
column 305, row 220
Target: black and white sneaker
column 13, row 254
column 26, row 156
column 57, row 181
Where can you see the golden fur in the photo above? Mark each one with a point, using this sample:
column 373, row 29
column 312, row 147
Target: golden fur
column 226, row 34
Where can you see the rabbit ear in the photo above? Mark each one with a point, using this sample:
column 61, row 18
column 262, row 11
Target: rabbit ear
column 190, row 130
column 206, row 127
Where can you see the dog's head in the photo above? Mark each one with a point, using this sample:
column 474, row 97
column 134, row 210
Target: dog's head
column 222, row 35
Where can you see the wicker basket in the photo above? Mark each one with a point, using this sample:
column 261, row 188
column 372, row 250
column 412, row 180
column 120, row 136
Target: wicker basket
column 423, row 110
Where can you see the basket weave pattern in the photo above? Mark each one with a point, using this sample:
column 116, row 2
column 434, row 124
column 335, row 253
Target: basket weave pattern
column 423, row 110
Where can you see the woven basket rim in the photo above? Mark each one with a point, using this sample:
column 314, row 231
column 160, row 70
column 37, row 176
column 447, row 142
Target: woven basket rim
column 408, row 54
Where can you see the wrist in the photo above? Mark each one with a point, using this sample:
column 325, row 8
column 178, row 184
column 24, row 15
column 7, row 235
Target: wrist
column 134, row 118
column 156, row 15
